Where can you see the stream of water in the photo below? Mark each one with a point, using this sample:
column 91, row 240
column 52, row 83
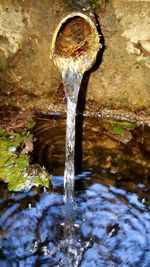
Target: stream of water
column 72, row 82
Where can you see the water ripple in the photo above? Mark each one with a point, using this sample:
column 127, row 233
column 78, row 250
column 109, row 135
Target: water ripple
column 112, row 231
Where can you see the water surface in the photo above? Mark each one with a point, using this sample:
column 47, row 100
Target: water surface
column 113, row 204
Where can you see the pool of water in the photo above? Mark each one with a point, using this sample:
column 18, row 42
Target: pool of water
column 112, row 224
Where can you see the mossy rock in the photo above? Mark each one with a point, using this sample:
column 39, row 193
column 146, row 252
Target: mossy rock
column 119, row 130
column 15, row 167
column 118, row 127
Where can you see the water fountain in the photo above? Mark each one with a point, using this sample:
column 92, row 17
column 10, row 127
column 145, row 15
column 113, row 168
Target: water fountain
column 74, row 49
column 75, row 45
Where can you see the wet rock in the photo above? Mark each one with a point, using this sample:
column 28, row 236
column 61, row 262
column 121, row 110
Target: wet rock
column 120, row 131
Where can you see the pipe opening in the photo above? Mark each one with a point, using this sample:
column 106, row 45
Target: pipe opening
column 74, row 37
column 75, row 42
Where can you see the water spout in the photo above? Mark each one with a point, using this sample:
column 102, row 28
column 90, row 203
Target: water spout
column 75, row 42
column 74, row 49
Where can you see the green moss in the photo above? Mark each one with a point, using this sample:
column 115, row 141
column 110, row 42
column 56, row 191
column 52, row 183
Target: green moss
column 14, row 163
column 30, row 125
column 119, row 128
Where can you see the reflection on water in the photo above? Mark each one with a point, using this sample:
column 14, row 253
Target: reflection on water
column 113, row 216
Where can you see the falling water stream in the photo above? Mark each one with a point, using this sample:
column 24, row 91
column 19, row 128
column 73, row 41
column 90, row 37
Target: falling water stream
column 72, row 81
column 75, row 45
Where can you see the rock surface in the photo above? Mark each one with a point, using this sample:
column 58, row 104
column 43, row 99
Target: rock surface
column 121, row 83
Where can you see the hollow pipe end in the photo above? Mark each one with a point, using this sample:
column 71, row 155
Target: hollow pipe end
column 75, row 43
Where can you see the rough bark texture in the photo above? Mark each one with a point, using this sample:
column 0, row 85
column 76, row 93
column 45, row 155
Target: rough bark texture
column 120, row 86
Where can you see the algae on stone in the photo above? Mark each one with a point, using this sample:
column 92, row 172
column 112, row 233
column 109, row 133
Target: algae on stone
column 119, row 130
column 14, row 163
column 119, row 127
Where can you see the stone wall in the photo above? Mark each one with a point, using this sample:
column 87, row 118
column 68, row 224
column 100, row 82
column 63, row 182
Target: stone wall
column 119, row 86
